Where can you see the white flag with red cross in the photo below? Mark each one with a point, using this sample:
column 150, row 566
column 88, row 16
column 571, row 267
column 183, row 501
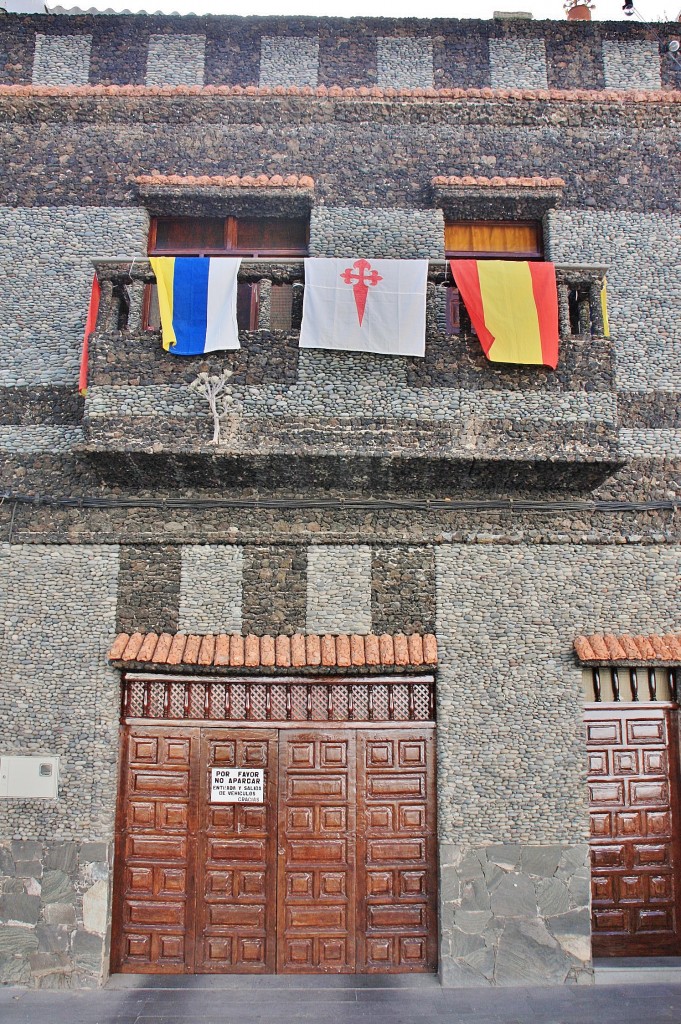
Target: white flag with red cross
column 360, row 305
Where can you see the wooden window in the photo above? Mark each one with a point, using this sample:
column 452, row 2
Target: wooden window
column 244, row 236
column 488, row 240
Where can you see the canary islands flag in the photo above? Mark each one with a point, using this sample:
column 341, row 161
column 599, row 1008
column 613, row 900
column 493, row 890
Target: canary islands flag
column 513, row 307
column 197, row 301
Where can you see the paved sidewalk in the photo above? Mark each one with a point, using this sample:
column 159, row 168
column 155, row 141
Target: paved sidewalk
column 337, row 1001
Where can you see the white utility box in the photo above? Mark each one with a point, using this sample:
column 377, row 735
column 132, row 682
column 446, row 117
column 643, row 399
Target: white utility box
column 29, row 777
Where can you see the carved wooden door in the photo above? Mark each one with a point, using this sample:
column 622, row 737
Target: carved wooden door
column 635, row 854
column 317, row 785
column 236, row 875
column 397, row 929
column 333, row 873
column 153, row 927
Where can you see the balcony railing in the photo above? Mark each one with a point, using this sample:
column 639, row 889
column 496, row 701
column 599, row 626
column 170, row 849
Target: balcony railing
column 277, row 287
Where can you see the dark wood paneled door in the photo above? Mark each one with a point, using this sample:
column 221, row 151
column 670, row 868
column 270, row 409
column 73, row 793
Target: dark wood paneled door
column 335, row 872
column 635, row 841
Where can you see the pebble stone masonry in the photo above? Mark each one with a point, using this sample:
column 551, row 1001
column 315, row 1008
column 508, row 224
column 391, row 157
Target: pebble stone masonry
column 344, row 468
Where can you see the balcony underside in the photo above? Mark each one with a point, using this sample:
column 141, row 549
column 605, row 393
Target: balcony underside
column 436, row 475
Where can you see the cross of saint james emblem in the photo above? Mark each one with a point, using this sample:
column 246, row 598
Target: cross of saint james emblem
column 362, row 277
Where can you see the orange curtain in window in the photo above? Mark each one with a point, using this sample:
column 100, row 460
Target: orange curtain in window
column 479, row 238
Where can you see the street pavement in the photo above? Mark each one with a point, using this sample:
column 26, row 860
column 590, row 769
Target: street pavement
column 201, row 1000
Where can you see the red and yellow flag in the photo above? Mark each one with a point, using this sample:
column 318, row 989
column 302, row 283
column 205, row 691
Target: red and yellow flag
column 513, row 307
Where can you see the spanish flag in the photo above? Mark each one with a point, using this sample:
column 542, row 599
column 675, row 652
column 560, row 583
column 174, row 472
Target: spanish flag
column 197, row 300
column 513, row 307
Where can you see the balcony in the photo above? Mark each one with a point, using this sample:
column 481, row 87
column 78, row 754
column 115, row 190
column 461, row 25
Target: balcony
column 451, row 420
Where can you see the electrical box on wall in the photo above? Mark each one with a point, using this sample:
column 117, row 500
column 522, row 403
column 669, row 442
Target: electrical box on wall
column 34, row 777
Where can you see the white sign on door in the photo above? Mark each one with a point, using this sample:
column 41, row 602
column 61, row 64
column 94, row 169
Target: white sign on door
column 237, row 786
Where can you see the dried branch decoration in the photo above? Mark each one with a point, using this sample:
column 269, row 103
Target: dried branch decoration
column 211, row 387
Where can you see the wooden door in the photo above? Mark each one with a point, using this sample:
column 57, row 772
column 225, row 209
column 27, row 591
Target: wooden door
column 153, row 928
column 236, row 876
column 397, row 930
column 333, row 873
column 317, row 839
column 635, row 854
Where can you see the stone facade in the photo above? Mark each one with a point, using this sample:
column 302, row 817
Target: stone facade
column 176, row 60
column 505, row 508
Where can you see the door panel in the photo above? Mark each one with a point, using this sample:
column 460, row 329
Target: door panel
column 235, row 921
column 317, row 853
column 397, row 930
column 154, row 926
column 635, row 857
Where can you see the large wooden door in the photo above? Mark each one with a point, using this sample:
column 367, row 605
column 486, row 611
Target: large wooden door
column 333, row 873
column 635, row 842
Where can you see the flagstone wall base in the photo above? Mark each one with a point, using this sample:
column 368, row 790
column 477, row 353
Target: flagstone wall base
column 54, row 912
column 514, row 915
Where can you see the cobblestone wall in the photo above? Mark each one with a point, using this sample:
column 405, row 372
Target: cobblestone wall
column 509, row 695
column 210, row 589
column 57, row 606
column 48, row 253
column 407, row 53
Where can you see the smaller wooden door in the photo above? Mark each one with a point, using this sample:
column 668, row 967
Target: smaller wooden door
column 635, row 842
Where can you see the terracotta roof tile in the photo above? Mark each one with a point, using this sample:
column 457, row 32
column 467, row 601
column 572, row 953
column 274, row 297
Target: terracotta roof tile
column 191, row 650
column 132, row 647
column 468, row 180
column 415, row 649
column 146, row 651
column 176, row 649
column 357, row 656
column 608, row 649
column 207, row 650
column 299, row 651
column 430, row 649
column 401, row 647
column 221, row 656
column 313, row 647
column 267, row 651
column 372, row 650
column 328, row 651
column 162, row 648
column 386, row 648
column 282, row 650
column 252, row 651
column 237, row 651
column 347, row 92
column 225, row 181
column 343, row 656
column 118, row 646
column 298, row 656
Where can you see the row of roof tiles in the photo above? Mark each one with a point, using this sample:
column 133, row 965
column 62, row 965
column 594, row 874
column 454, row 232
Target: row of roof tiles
column 299, row 651
column 444, row 181
column 608, row 649
column 228, row 181
column 363, row 92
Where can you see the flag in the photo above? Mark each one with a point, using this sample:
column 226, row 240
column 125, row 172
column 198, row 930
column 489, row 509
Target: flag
column 604, row 309
column 90, row 324
column 360, row 305
column 513, row 307
column 197, row 301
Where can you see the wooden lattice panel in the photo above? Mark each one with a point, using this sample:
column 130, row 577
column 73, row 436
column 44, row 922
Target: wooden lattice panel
column 400, row 700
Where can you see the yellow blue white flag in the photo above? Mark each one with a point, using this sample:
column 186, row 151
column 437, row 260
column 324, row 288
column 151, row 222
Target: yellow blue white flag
column 197, row 300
